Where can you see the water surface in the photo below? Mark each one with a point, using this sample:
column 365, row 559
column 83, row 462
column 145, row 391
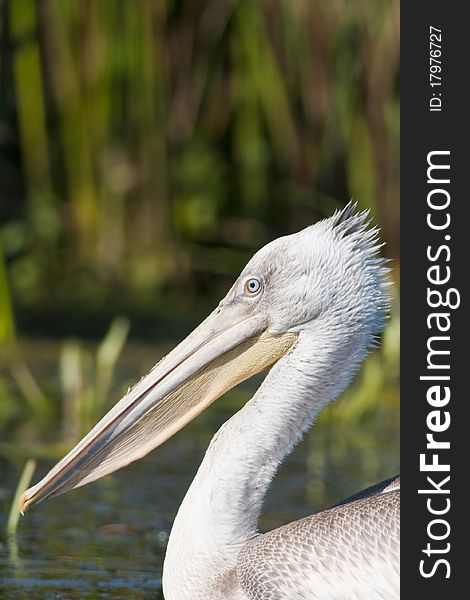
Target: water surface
column 107, row 540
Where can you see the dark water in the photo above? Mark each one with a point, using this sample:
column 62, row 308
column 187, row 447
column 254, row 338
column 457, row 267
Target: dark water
column 107, row 540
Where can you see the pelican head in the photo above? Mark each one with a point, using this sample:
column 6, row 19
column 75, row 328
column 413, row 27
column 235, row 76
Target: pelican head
column 324, row 280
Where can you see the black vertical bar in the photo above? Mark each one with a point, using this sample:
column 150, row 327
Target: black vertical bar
column 434, row 119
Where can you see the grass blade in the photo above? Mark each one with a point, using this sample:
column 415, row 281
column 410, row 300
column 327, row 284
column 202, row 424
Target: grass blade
column 23, row 483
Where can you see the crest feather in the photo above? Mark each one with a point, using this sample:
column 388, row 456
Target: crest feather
column 354, row 230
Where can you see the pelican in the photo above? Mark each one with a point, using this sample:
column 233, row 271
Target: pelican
column 309, row 306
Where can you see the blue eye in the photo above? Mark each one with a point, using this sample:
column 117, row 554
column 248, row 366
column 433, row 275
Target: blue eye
column 252, row 286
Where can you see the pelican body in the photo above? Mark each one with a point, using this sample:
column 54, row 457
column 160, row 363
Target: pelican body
column 308, row 306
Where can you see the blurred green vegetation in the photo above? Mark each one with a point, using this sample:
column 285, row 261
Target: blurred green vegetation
column 150, row 147
column 147, row 149
column 75, row 395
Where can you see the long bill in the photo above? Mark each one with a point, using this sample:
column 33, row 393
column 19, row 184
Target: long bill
column 223, row 351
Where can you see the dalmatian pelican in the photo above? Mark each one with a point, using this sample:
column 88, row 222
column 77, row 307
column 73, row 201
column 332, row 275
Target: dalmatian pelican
column 309, row 306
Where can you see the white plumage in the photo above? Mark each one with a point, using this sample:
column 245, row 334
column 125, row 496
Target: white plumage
column 310, row 304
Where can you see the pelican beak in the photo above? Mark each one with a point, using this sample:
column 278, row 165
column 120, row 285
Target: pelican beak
column 227, row 348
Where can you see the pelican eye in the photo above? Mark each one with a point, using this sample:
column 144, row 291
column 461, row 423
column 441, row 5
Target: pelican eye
column 252, row 286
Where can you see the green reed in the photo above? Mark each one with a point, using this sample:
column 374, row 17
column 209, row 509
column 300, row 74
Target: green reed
column 23, row 484
column 159, row 139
